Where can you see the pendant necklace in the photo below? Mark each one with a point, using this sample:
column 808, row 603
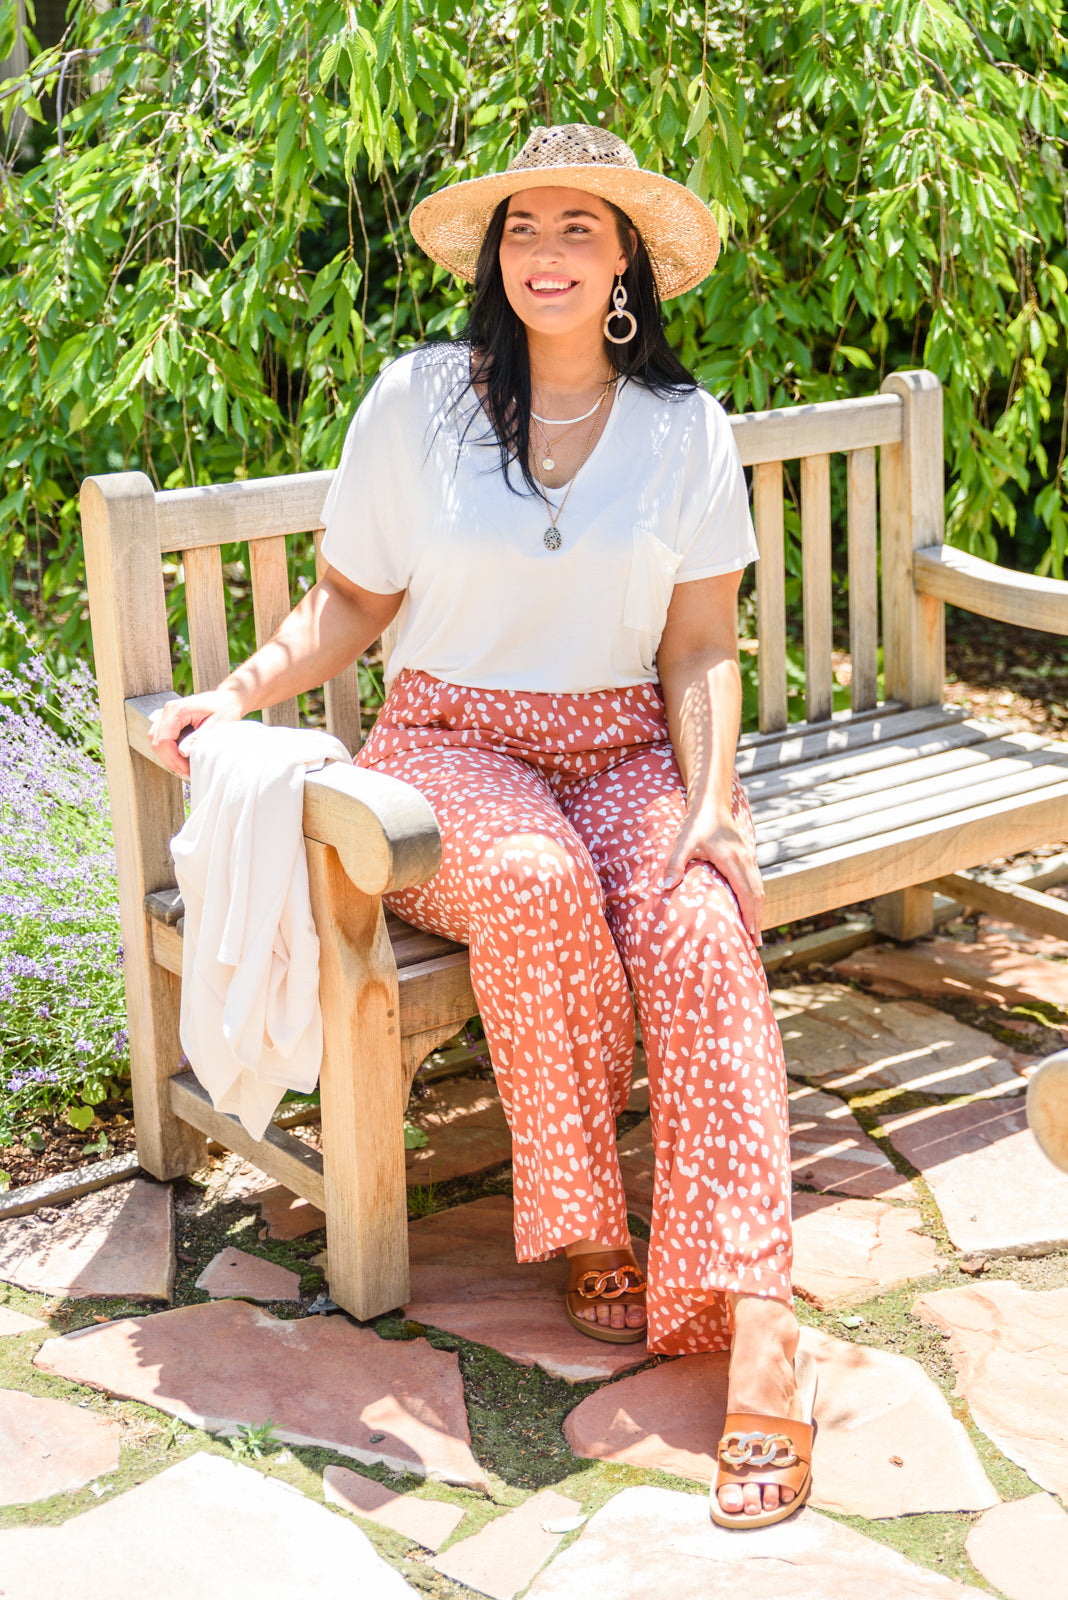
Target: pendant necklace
column 551, row 537
column 567, row 423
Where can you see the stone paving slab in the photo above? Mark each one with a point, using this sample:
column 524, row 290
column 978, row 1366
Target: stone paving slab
column 503, row 1556
column 845, row 1251
column 321, row 1380
column 994, row 971
column 655, row 1542
column 887, row 1444
column 428, row 1522
column 835, row 1038
column 1010, row 1348
column 118, row 1241
column 207, row 1528
column 997, row 1192
column 49, row 1447
column 16, row 1322
column 464, row 1122
column 234, row 1274
column 1020, row 1547
column 466, row 1280
column 286, row 1215
column 830, row 1151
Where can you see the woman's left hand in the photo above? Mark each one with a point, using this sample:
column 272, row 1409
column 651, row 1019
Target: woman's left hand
column 722, row 845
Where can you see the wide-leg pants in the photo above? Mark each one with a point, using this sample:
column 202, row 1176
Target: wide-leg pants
column 558, row 813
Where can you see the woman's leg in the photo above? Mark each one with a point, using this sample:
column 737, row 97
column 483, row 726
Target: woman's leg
column 517, row 885
column 719, row 1259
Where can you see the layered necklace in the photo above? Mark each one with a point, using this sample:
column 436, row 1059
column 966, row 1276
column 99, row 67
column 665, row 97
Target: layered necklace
column 551, row 537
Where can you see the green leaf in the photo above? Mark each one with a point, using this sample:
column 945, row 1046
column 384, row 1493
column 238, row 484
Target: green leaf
column 80, row 1117
column 414, row 1138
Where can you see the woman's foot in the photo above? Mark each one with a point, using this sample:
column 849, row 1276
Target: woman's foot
column 761, row 1381
column 615, row 1311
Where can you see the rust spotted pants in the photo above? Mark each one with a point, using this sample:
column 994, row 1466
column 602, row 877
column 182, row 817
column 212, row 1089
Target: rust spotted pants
column 557, row 814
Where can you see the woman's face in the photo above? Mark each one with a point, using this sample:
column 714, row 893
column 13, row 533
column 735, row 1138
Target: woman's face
column 559, row 256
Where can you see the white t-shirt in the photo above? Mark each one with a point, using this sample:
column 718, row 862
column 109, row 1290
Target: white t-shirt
column 661, row 500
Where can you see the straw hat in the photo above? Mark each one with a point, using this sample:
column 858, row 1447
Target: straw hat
column 677, row 228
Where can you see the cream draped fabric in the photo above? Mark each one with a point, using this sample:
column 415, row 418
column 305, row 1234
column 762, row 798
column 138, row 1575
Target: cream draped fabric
column 250, row 1019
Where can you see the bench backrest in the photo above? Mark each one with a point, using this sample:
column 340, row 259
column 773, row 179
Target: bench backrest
column 903, row 424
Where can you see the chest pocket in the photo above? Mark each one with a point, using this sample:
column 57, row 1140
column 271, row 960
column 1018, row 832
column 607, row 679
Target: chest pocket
column 652, row 579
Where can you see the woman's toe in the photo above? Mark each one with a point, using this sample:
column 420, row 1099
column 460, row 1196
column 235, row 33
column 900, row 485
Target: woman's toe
column 635, row 1317
column 730, row 1499
column 785, row 1496
column 751, row 1499
column 771, row 1497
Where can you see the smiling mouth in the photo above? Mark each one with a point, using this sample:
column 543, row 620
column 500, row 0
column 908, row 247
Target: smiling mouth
column 545, row 288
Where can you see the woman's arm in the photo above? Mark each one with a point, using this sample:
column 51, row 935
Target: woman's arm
column 333, row 624
column 698, row 666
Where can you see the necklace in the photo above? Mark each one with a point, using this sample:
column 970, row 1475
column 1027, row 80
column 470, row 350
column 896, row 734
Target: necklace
column 551, row 537
column 567, row 423
column 558, row 422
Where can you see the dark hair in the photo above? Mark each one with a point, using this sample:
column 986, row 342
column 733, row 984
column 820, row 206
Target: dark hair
column 498, row 339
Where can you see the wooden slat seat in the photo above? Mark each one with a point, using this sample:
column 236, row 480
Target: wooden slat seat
column 884, row 801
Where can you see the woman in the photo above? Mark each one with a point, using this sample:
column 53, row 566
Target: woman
column 556, row 515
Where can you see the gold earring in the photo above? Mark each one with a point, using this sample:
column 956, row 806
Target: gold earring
column 619, row 312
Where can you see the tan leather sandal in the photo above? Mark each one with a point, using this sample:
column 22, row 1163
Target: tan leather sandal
column 610, row 1275
column 766, row 1451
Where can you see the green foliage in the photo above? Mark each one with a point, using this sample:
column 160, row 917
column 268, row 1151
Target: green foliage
column 253, row 1440
column 199, row 277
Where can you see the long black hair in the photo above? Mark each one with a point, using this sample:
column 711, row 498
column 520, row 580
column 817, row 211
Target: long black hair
column 498, row 342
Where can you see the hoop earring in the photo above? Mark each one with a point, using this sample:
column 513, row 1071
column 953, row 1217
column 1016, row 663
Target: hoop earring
column 619, row 312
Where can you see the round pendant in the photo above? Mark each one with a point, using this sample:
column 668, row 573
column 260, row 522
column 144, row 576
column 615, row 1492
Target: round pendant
column 548, row 464
column 551, row 539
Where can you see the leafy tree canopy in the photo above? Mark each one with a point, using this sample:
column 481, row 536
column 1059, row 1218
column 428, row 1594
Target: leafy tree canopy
column 204, row 253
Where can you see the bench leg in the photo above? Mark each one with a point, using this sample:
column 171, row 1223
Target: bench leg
column 362, row 1093
column 905, row 914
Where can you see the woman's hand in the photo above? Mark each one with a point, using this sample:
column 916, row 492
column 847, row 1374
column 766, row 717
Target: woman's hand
column 197, row 711
column 719, row 842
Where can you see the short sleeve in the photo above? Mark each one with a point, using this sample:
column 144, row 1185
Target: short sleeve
column 716, row 532
column 369, row 524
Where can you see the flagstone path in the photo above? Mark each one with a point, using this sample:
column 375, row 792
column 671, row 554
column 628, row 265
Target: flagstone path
column 649, row 1542
column 474, row 1444
column 207, row 1528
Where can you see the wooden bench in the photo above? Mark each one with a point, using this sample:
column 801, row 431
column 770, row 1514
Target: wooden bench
column 886, row 799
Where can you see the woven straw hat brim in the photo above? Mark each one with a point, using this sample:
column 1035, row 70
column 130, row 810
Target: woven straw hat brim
column 677, row 227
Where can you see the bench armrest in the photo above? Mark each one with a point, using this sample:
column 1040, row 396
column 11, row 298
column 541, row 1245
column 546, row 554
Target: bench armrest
column 383, row 830
column 991, row 591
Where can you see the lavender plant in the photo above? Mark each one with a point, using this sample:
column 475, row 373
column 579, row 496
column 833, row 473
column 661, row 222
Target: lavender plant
column 63, row 1047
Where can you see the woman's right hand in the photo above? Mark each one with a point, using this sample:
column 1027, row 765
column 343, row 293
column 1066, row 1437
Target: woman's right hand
column 197, row 711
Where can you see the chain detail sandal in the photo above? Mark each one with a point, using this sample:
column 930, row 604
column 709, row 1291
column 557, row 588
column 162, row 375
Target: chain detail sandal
column 609, row 1275
column 768, row 1451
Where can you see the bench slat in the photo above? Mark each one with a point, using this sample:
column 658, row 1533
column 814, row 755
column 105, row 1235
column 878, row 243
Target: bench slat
column 1049, row 769
column 816, row 585
column 862, row 868
column 875, row 803
column 801, row 743
column 800, row 777
column 269, row 572
column 771, row 595
column 205, row 603
column 342, row 693
column 863, row 579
